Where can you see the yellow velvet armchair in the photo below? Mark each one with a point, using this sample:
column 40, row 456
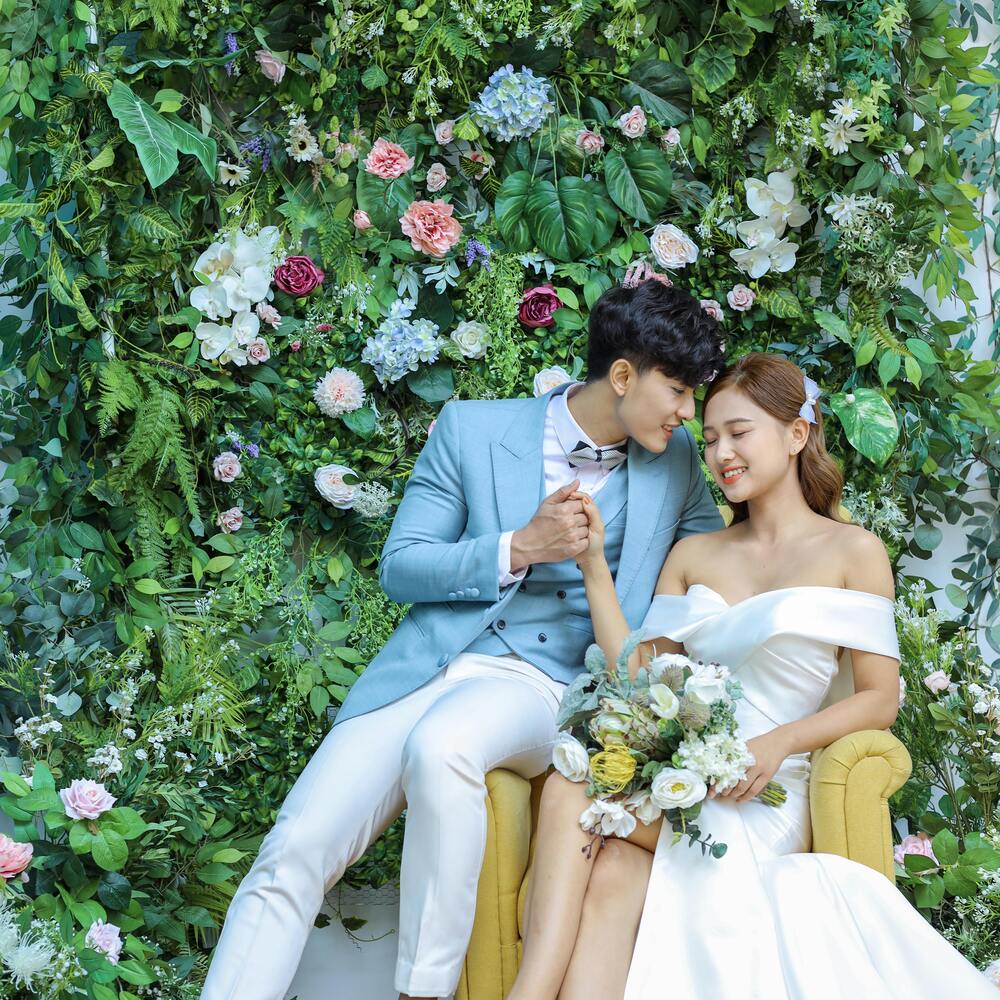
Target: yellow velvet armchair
column 850, row 785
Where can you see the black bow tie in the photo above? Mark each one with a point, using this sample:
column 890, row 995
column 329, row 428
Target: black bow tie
column 607, row 458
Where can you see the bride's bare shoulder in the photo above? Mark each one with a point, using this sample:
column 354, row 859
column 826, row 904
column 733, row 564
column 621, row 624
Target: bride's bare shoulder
column 864, row 560
column 704, row 543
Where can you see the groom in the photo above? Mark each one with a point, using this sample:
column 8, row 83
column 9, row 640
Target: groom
column 483, row 546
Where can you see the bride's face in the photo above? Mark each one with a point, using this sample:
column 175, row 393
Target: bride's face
column 747, row 450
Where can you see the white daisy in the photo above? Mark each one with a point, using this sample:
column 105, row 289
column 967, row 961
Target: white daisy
column 839, row 136
column 302, row 146
column 232, row 174
column 843, row 208
column 845, row 111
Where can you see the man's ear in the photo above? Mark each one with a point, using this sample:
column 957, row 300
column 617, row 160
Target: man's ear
column 621, row 375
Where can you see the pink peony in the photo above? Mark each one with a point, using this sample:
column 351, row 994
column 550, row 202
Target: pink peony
column 670, row 138
column 86, row 799
column 741, row 298
column 589, row 142
column 226, row 467
column 270, row 65
column 257, row 351
column 537, row 306
column 444, row 132
column 437, row 177
column 105, row 938
column 298, row 276
column 633, row 123
column 268, row 314
column 387, row 160
column 919, row 844
column 230, row 520
column 361, row 221
column 937, row 682
column 14, row 858
column 713, row 309
column 430, row 226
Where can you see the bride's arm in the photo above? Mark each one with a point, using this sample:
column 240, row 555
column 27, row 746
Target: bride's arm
column 610, row 627
column 874, row 704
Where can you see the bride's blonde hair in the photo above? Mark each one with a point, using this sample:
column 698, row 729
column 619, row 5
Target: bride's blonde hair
column 777, row 386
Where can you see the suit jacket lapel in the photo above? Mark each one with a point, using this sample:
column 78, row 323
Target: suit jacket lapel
column 646, row 494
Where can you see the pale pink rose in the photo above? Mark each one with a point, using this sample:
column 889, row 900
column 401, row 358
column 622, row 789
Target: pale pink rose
column 672, row 247
column 361, row 221
column 258, row 351
column 589, row 142
column 713, row 308
column 270, row 65
column 937, row 681
column 670, row 138
column 268, row 314
column 387, row 160
column 444, row 132
column 919, row 844
column 330, row 485
column 430, row 226
column 86, row 799
column 230, row 520
column 741, row 298
column 226, row 467
column 437, row 177
column 549, row 378
column 14, row 858
column 105, row 938
column 633, row 123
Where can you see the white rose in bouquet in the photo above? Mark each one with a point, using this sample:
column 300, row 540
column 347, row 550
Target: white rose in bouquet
column 707, row 684
column 664, row 703
column 570, row 758
column 610, row 819
column 677, row 788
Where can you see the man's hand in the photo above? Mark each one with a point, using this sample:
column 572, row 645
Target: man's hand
column 559, row 530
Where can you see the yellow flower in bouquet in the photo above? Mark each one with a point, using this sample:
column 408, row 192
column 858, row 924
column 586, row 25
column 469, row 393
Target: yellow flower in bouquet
column 612, row 769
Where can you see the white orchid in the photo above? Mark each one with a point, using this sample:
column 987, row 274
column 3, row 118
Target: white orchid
column 762, row 196
column 215, row 261
column 215, row 339
column 211, row 300
column 774, row 254
column 246, row 326
column 610, row 819
column 245, row 289
column 253, row 251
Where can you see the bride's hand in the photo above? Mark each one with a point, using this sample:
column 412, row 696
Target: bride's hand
column 770, row 751
column 593, row 556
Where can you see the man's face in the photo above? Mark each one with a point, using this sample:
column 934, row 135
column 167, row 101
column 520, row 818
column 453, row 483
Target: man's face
column 652, row 406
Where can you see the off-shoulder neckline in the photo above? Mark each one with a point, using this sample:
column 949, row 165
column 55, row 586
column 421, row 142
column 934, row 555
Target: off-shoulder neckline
column 781, row 590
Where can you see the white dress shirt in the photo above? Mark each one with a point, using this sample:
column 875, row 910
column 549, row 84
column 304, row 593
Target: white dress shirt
column 562, row 435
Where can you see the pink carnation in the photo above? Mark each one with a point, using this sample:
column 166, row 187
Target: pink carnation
column 226, row 467
column 230, row 520
column 296, row 346
column 86, row 799
column 361, row 221
column 919, row 844
column 14, row 858
column 431, row 227
column 270, row 65
column 387, row 160
column 339, row 391
column 105, row 938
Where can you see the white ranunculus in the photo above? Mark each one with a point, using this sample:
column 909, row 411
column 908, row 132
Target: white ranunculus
column 211, row 300
column 330, row 485
column 472, row 338
column 677, row 788
column 707, row 684
column 671, row 247
column 570, row 758
column 610, row 819
column 549, row 378
column 215, row 339
column 643, row 807
column 663, row 702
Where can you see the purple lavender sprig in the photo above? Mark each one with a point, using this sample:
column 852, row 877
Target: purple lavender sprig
column 257, row 148
column 231, row 46
column 476, row 251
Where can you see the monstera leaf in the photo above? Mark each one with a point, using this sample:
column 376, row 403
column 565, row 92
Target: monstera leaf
column 868, row 421
column 662, row 88
column 384, row 201
column 512, row 211
column 639, row 181
column 714, row 67
column 147, row 130
column 561, row 217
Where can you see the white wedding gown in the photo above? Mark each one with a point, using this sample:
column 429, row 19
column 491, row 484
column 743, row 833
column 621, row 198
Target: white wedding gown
column 769, row 921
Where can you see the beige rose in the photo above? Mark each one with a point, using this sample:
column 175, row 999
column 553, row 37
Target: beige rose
column 437, row 177
column 633, row 123
column 331, row 487
column 270, row 65
column 671, row 247
column 444, row 132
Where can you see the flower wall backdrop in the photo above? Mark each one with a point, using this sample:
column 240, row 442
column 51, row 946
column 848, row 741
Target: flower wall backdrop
column 250, row 249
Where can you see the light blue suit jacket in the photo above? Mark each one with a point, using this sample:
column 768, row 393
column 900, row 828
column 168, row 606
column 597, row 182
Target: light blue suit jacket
column 481, row 474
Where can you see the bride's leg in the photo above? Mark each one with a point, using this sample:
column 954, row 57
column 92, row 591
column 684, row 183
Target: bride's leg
column 559, row 878
column 612, row 909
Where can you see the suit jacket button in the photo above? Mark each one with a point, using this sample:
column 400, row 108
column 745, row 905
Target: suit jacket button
column 501, row 624
column 522, row 588
column 451, row 596
column 561, row 594
column 542, row 637
column 474, row 592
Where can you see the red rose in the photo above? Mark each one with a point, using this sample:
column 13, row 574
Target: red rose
column 298, row 276
column 537, row 306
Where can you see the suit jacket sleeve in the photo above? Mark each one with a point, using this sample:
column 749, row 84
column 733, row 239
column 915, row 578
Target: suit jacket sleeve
column 700, row 512
column 425, row 558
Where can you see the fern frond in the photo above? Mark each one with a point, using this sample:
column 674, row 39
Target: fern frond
column 119, row 392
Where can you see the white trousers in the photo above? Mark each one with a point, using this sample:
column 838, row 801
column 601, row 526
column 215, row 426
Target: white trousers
column 430, row 752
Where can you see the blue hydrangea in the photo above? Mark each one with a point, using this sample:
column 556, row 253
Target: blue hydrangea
column 400, row 344
column 513, row 105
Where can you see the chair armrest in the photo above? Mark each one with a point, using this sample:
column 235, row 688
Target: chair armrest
column 850, row 784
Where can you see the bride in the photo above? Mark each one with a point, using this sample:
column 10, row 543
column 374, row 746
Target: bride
column 776, row 597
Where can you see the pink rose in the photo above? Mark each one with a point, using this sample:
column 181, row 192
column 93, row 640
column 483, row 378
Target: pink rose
column 268, row 314
column 230, row 520
column 633, row 123
column 589, row 142
column 387, row 160
column 258, row 351
column 741, row 298
column 537, row 306
column 14, row 858
column 444, row 132
column 298, row 276
column 713, row 309
column 361, row 221
column 430, row 226
column 920, row 844
column 226, row 467
column 937, row 682
column 86, row 799
column 296, row 345
column 437, row 177
column 670, row 138
column 105, row 938
column 270, row 65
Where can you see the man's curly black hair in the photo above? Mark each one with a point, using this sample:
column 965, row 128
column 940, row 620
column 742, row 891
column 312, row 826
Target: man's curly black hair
column 654, row 327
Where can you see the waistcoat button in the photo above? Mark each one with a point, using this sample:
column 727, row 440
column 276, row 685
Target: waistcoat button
column 542, row 637
column 561, row 594
column 501, row 624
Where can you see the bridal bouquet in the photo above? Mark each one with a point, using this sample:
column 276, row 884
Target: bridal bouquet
column 652, row 746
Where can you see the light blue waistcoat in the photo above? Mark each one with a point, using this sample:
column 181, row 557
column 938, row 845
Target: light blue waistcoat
column 480, row 474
